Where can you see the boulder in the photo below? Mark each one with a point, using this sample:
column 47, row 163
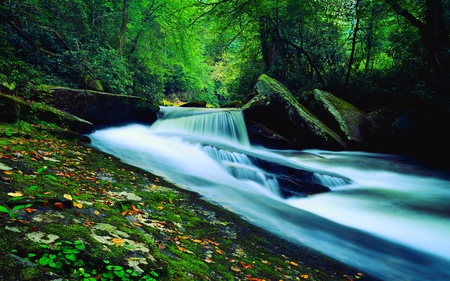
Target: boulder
column 276, row 108
column 102, row 109
column 339, row 115
column 13, row 109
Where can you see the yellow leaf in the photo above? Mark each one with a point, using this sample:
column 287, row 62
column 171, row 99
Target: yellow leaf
column 78, row 205
column 7, row 172
column 219, row 251
column 117, row 241
column 293, row 263
column 265, row 262
column 80, row 158
column 15, row 194
column 161, row 207
column 196, row 241
column 137, row 224
column 97, row 212
column 68, row 197
column 304, row 276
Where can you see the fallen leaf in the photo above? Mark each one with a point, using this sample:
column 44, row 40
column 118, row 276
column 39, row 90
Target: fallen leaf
column 68, row 197
column 265, row 262
column 235, row 268
column 156, row 180
column 7, row 172
column 161, row 207
column 209, row 260
column 293, row 263
column 219, row 252
column 78, row 205
column 97, row 213
column 117, row 241
column 304, row 276
column 15, row 194
column 30, row 210
column 196, row 241
column 245, row 265
column 58, row 205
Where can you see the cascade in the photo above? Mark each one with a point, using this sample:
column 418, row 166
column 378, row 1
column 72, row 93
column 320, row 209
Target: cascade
column 381, row 214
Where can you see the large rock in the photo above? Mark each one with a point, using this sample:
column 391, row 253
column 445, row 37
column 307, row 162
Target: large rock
column 102, row 109
column 341, row 116
column 276, row 108
column 13, row 109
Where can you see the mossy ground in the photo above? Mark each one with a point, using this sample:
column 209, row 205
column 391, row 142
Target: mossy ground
column 128, row 218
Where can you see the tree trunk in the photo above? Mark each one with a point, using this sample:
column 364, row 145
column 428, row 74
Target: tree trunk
column 352, row 53
column 434, row 33
column 123, row 27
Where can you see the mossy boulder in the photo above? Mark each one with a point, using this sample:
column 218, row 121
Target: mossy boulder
column 197, row 103
column 13, row 109
column 276, row 108
column 102, row 109
column 339, row 115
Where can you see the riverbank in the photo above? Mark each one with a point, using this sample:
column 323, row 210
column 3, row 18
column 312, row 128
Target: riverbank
column 84, row 215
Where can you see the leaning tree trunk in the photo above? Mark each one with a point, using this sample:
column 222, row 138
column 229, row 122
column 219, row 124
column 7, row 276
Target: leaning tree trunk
column 434, row 33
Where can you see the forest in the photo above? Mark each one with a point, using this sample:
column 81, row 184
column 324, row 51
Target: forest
column 366, row 51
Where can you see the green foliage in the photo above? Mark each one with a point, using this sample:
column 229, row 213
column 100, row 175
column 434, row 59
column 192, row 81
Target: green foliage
column 14, row 212
column 67, row 258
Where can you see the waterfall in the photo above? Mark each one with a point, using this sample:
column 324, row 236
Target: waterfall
column 381, row 214
column 217, row 124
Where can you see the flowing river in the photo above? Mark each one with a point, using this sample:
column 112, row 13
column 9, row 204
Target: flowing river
column 385, row 215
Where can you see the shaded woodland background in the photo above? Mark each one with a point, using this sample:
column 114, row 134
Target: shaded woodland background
column 370, row 52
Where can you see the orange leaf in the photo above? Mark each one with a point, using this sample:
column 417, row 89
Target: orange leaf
column 181, row 249
column 30, row 210
column 209, row 260
column 304, row 276
column 124, row 213
column 219, row 251
column 137, row 224
column 58, row 205
column 196, row 241
column 245, row 265
column 97, row 212
column 7, row 172
column 15, row 194
column 293, row 263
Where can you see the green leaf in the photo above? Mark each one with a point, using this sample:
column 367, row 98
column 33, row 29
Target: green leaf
column 4, row 209
column 106, row 261
column 45, row 246
column 33, row 187
column 44, row 260
column 119, row 273
column 71, row 257
column 51, row 177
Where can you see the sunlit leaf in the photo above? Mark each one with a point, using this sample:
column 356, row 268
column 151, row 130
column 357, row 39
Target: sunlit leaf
column 68, row 197
column 78, row 205
column 4, row 209
column 15, row 194
column 304, row 276
column 161, row 207
column 117, row 241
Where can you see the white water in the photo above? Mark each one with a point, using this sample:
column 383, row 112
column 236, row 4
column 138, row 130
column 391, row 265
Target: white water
column 392, row 221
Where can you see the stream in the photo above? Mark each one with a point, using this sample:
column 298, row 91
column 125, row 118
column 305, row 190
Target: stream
column 385, row 215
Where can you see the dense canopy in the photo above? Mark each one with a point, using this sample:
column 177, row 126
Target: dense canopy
column 214, row 50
